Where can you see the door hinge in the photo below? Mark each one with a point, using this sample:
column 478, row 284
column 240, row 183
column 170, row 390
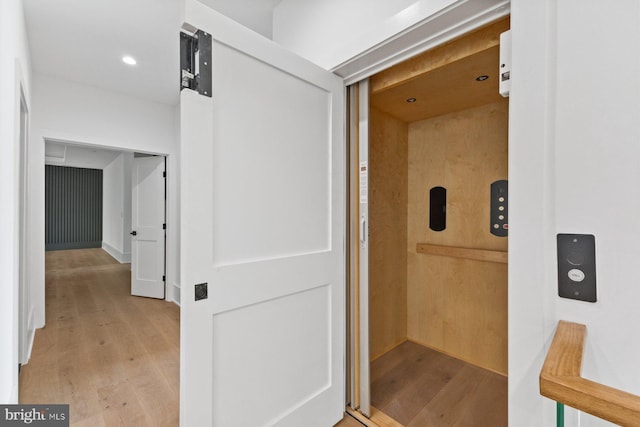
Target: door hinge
column 195, row 62
column 164, row 226
column 164, row 174
column 164, row 278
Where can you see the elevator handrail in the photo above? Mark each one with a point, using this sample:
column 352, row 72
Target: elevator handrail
column 466, row 253
column 561, row 380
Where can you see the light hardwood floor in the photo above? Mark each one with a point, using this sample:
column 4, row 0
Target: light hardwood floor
column 113, row 357
column 420, row 387
column 414, row 386
column 348, row 421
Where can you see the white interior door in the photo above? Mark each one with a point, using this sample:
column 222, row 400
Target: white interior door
column 147, row 222
column 262, row 227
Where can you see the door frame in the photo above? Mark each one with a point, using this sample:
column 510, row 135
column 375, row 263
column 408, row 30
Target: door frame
column 171, row 222
column 356, row 80
column 26, row 331
column 357, row 145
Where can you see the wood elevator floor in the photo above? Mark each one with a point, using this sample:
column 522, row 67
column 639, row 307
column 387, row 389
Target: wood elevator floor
column 420, row 387
column 113, row 357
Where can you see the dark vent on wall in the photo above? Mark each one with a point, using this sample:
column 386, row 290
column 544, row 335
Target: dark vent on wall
column 73, row 208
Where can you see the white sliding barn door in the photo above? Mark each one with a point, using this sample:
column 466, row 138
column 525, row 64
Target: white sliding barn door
column 262, row 225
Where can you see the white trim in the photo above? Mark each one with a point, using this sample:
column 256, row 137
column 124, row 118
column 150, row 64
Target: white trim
column 25, row 305
column 453, row 22
column 32, row 335
column 13, row 399
column 122, row 258
column 175, row 293
column 22, row 285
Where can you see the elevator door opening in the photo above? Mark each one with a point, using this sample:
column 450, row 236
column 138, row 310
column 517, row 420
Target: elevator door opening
column 435, row 299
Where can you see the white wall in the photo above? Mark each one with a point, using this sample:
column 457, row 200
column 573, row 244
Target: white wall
column 573, row 169
column 112, row 207
column 331, row 31
column 597, row 175
column 126, row 206
column 15, row 66
column 71, row 112
column 173, row 262
column 531, row 210
column 256, row 15
column 116, row 207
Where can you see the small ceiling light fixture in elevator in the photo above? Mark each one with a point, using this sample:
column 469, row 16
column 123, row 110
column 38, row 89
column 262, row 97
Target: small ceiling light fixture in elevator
column 482, row 78
column 129, row 60
column 411, row 100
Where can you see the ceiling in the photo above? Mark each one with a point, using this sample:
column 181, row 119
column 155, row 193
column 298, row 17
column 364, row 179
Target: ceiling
column 84, row 41
column 254, row 14
column 446, row 89
column 61, row 154
column 460, row 74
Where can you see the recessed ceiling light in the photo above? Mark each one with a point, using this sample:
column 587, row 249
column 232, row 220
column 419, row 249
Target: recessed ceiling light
column 482, row 78
column 129, row 60
column 411, row 100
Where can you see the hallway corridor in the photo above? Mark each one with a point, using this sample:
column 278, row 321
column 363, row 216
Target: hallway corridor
column 113, row 357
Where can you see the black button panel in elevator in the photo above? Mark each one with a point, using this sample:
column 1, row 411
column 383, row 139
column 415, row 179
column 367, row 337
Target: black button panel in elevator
column 500, row 208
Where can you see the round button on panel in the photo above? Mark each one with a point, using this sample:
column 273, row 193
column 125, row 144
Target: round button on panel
column 575, row 258
column 576, row 275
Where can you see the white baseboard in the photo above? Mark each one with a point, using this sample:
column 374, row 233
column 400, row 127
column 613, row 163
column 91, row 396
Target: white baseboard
column 13, row 399
column 175, row 293
column 32, row 335
column 122, row 258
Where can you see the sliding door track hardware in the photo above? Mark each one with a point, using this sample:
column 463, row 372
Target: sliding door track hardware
column 195, row 62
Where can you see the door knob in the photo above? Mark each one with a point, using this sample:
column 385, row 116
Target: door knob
column 134, row 233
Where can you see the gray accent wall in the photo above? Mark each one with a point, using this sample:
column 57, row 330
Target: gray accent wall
column 73, row 208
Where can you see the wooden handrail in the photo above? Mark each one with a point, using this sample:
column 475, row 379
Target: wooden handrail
column 466, row 253
column 560, row 380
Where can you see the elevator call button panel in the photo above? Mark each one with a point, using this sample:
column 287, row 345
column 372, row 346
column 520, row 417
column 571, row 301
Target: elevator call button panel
column 577, row 266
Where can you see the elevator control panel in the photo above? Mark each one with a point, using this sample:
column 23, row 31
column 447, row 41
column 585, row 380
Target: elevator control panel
column 500, row 208
column 577, row 266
